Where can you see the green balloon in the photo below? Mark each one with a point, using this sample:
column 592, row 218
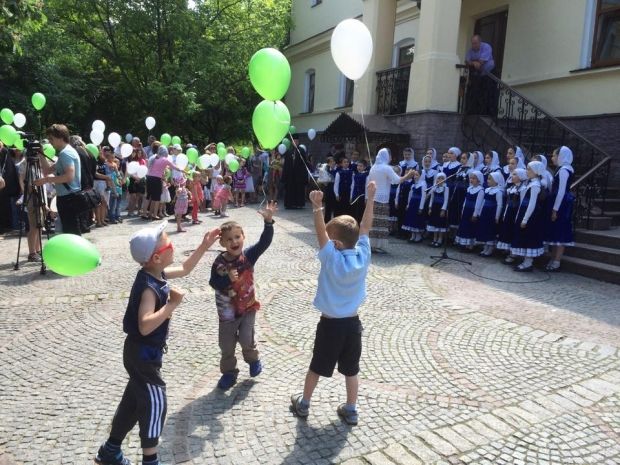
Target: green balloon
column 165, row 139
column 192, row 155
column 233, row 166
column 70, row 255
column 49, row 151
column 6, row 115
column 38, row 101
column 221, row 152
column 176, row 140
column 292, row 129
column 270, row 73
column 19, row 143
column 287, row 142
column 270, row 122
column 8, row 134
column 221, row 144
column 92, row 148
column 245, row 152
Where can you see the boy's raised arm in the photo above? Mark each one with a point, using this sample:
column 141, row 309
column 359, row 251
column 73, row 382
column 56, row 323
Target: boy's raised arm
column 189, row 264
column 316, row 197
column 366, row 223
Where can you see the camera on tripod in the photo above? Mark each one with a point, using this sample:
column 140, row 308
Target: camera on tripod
column 33, row 147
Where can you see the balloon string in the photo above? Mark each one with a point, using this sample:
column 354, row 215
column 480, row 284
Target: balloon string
column 365, row 134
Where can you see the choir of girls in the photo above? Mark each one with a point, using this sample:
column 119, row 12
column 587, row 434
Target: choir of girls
column 518, row 209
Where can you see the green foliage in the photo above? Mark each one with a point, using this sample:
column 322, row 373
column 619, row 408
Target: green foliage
column 122, row 60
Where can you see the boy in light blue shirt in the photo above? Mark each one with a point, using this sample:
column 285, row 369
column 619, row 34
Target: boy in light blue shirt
column 345, row 257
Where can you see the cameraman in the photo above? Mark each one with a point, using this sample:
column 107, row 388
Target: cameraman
column 67, row 177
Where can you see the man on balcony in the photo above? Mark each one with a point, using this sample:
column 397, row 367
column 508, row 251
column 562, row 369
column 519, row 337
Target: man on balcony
column 481, row 93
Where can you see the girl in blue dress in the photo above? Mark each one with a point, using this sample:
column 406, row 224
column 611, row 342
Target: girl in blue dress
column 415, row 221
column 488, row 224
column 435, row 162
column 560, row 228
column 457, row 195
column 491, row 164
column 509, row 215
column 437, row 221
column 528, row 235
column 474, row 198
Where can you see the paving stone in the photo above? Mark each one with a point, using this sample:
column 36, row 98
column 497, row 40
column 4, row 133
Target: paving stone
column 454, row 438
column 400, row 455
column 378, row 458
column 437, row 443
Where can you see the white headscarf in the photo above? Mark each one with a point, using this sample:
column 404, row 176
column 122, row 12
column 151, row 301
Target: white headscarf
column 455, row 150
column 547, row 177
column 162, row 151
column 411, row 163
column 501, row 184
column 494, row 161
column 473, row 189
column 537, row 167
column 453, row 164
column 436, row 179
column 430, row 171
column 383, row 157
column 565, row 158
column 519, row 155
column 434, row 161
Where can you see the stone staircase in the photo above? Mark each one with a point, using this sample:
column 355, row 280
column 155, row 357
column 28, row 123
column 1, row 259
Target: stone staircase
column 596, row 254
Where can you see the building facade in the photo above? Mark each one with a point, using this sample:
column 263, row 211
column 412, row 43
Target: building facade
column 564, row 56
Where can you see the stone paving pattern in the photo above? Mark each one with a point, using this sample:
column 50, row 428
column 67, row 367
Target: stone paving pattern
column 458, row 368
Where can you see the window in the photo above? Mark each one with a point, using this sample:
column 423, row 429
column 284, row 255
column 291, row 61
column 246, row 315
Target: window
column 309, row 92
column 606, row 46
column 405, row 55
column 314, row 3
column 347, row 87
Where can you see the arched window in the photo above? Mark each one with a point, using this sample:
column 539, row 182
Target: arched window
column 345, row 96
column 403, row 52
column 309, row 91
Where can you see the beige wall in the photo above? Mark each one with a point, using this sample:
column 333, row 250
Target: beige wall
column 309, row 21
column 542, row 47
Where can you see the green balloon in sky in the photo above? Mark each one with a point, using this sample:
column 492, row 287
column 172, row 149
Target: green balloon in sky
column 6, row 115
column 176, row 140
column 70, row 255
column 192, row 155
column 49, row 151
column 92, row 148
column 8, row 134
column 233, row 166
column 221, row 152
column 270, row 122
column 270, row 73
column 245, row 152
column 38, row 100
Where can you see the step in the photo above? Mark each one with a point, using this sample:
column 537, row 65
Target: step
column 610, row 238
column 594, row 270
column 615, row 217
column 599, row 223
column 610, row 203
column 595, row 253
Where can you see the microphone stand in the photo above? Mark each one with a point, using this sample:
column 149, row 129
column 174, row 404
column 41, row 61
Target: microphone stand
column 444, row 254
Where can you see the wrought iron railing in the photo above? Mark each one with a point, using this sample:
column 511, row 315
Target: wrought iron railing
column 392, row 90
column 495, row 116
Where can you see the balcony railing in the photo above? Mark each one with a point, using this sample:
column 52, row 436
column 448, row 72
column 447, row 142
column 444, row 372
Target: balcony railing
column 392, row 90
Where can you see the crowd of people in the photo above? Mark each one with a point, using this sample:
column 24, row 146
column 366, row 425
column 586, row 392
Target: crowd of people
column 467, row 199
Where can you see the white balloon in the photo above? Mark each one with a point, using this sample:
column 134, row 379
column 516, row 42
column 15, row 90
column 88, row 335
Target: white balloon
column 141, row 171
column 182, row 161
column 98, row 125
column 128, row 137
column 302, row 146
column 204, row 161
column 214, row 159
column 96, row 137
column 19, row 120
column 126, row 150
column 132, row 167
column 150, row 123
column 114, row 139
column 282, row 149
column 351, row 47
column 311, row 134
column 229, row 157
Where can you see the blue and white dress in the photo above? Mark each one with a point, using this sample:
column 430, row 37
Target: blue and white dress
column 489, row 216
column 528, row 242
column 415, row 218
column 560, row 231
column 507, row 224
column 466, row 234
column 439, row 202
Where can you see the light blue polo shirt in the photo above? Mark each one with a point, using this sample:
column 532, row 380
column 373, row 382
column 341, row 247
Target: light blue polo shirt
column 68, row 156
column 342, row 279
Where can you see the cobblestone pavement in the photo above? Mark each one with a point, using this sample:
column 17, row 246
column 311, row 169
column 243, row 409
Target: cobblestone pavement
column 457, row 368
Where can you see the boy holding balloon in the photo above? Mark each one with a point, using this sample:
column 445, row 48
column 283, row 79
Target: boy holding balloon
column 151, row 304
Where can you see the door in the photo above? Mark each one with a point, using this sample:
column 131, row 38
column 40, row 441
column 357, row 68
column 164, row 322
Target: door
column 492, row 30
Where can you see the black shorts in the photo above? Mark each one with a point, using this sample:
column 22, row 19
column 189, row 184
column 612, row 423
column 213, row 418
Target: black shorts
column 136, row 187
column 154, row 187
column 337, row 340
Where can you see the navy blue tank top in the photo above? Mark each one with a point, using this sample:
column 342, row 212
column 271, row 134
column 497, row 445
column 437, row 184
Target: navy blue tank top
column 130, row 322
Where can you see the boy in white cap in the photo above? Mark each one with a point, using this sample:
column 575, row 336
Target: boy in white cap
column 150, row 307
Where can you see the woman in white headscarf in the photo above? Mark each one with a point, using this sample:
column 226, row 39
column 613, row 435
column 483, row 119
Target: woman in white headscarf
column 491, row 164
column 384, row 176
column 490, row 214
column 560, row 228
column 472, row 206
column 435, row 162
column 546, row 180
column 507, row 224
column 529, row 224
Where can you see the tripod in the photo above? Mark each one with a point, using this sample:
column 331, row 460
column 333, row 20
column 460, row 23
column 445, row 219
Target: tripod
column 444, row 254
column 34, row 199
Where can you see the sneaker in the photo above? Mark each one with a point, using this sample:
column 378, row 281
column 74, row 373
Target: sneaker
column 256, row 368
column 227, row 381
column 103, row 457
column 34, row 257
column 349, row 416
column 299, row 410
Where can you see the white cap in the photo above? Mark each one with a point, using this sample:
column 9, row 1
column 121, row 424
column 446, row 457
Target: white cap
column 177, row 147
column 143, row 242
